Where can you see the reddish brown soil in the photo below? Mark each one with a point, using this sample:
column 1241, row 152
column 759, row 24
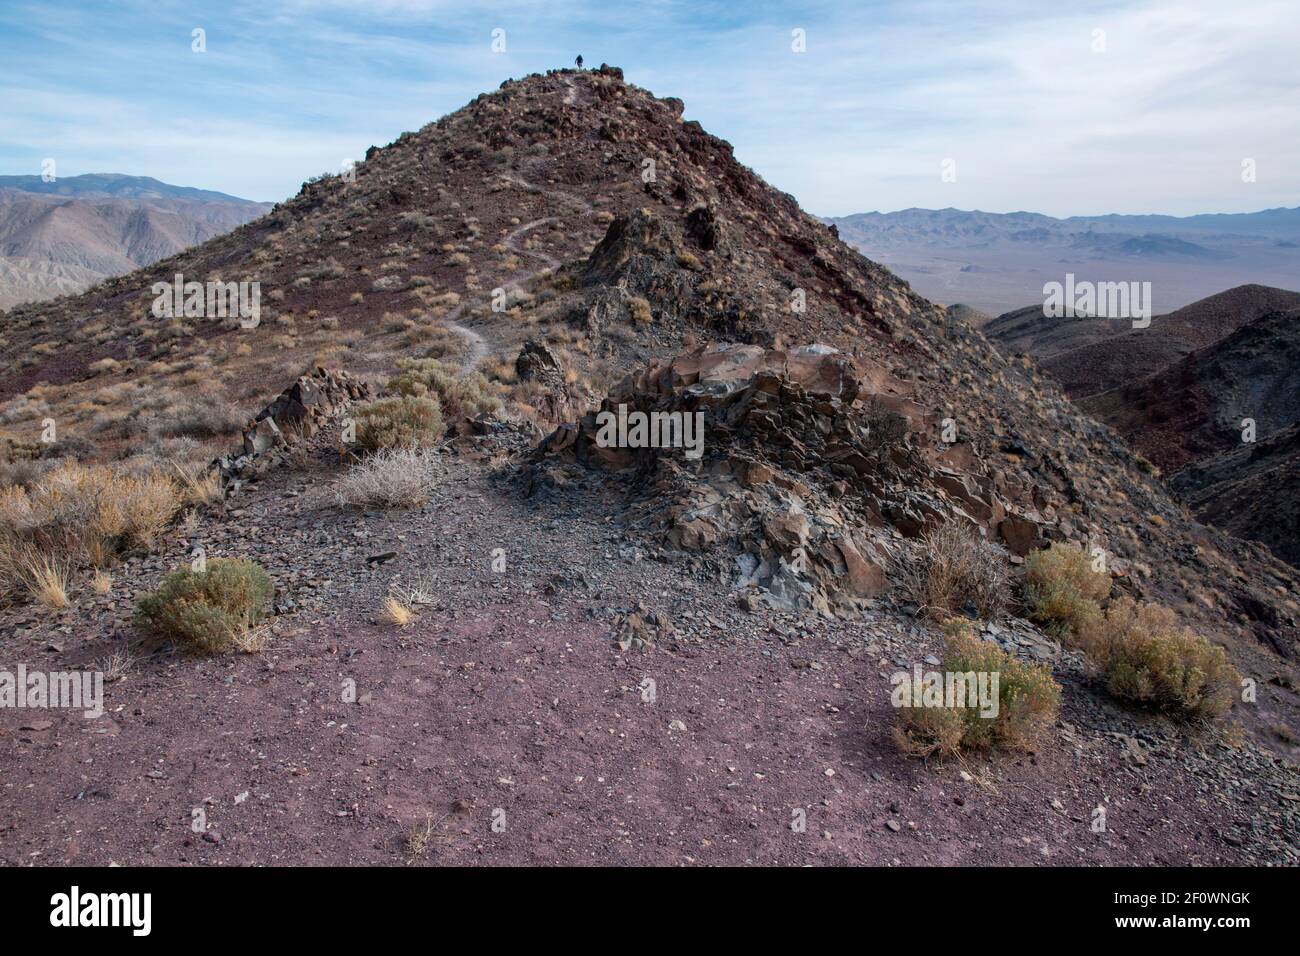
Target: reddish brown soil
column 519, row 701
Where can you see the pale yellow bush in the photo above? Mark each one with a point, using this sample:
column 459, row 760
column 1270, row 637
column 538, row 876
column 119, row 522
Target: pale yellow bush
column 1146, row 656
column 1062, row 591
column 80, row 514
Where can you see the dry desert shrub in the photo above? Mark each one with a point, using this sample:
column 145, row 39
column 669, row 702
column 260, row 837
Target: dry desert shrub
column 954, row 569
column 24, row 471
column 83, row 514
column 1145, row 656
column 886, row 430
column 212, row 610
column 928, row 731
column 116, row 665
column 438, row 341
column 162, row 412
column 1062, row 590
column 639, row 309
column 1140, row 651
column 463, row 396
column 392, row 478
column 401, row 422
column 1028, row 701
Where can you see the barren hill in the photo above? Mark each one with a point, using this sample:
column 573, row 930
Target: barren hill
column 573, row 239
column 1250, row 490
column 1180, row 390
column 1045, row 337
column 1196, row 406
column 1091, row 355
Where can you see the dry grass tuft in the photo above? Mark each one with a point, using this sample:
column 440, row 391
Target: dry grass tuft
column 81, row 514
column 48, row 581
column 199, row 486
column 420, row 837
column 253, row 640
column 116, row 665
column 954, row 570
column 397, row 613
column 398, row 478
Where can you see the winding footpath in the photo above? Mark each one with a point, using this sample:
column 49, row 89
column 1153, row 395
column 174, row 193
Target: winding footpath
column 479, row 347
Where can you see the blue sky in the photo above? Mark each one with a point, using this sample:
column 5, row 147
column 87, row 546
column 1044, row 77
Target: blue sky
column 1014, row 93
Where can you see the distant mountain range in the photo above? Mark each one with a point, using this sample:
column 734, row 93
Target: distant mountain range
column 996, row 262
column 64, row 236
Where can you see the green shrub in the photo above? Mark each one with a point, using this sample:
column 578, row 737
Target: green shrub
column 1062, row 591
column 461, row 396
column 1145, row 656
column 1028, row 702
column 406, row 421
column 211, row 610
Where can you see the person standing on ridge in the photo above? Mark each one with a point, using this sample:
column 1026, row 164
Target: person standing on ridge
column 579, row 61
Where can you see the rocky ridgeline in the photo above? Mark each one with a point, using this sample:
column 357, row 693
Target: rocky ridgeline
column 814, row 468
column 299, row 412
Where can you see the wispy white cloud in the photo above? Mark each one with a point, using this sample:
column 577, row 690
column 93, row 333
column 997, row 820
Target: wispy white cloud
column 1013, row 92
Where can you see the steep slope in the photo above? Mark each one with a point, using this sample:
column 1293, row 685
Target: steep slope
column 1030, row 332
column 1252, row 490
column 1179, row 391
column 971, row 316
column 527, row 225
column 63, row 236
column 1196, row 406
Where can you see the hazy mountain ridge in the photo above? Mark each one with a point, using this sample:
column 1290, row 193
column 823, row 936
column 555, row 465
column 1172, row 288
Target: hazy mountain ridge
column 116, row 184
column 941, row 224
column 997, row 262
column 62, row 236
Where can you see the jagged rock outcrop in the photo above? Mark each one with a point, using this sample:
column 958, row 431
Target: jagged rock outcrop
column 297, row 413
column 806, row 470
column 638, row 261
column 556, row 399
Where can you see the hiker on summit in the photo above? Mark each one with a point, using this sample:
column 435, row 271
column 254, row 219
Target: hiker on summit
column 578, row 61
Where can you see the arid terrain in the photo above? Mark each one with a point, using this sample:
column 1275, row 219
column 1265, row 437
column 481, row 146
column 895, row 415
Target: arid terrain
column 997, row 262
column 513, row 643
